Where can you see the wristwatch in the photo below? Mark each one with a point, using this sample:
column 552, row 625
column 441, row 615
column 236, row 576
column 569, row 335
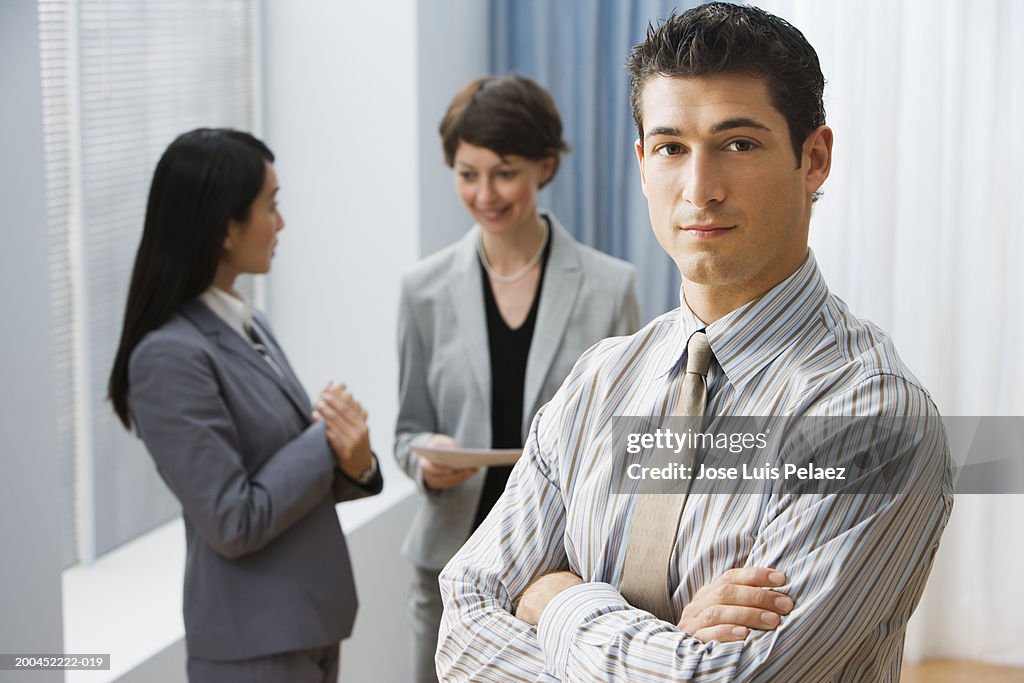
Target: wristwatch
column 366, row 475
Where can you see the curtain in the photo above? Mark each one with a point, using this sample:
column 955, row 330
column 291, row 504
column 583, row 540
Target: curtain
column 919, row 229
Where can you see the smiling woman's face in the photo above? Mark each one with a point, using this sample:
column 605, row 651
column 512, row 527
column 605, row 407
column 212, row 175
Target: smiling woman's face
column 499, row 192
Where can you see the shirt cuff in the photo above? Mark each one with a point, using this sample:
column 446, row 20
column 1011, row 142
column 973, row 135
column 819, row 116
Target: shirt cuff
column 565, row 615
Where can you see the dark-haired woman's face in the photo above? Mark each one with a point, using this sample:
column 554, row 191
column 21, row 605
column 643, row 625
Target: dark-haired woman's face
column 249, row 245
column 499, row 192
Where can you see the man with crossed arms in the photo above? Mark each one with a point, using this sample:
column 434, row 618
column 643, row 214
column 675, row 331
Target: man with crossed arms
column 732, row 149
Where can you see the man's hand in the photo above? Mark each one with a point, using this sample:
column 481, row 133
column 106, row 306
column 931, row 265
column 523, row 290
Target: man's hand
column 440, row 476
column 540, row 592
column 725, row 609
column 347, row 432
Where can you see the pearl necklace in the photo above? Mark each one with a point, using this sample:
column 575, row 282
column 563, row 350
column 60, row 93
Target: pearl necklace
column 514, row 277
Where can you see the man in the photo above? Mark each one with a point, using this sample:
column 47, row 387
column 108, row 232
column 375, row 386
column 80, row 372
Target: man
column 732, row 150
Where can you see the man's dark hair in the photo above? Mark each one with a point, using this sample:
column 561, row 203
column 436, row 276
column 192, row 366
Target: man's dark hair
column 509, row 115
column 723, row 38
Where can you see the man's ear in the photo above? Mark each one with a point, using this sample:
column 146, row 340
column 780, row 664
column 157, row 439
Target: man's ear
column 817, row 158
column 638, row 145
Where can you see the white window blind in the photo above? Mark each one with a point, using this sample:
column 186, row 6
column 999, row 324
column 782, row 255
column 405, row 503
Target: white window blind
column 121, row 79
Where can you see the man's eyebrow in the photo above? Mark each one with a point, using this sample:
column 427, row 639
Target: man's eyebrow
column 662, row 130
column 721, row 126
column 729, row 124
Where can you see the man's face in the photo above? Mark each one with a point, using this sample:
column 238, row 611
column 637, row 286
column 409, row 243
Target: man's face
column 726, row 198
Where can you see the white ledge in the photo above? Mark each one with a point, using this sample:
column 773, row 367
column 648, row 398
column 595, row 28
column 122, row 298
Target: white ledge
column 128, row 602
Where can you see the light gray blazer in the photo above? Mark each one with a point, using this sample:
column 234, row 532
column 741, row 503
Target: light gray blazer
column 266, row 568
column 445, row 375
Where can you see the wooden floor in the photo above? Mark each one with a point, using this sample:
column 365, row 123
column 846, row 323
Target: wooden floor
column 958, row 671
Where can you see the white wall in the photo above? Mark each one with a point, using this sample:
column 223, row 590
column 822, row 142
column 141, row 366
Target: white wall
column 352, row 96
column 340, row 114
column 453, row 50
column 30, row 591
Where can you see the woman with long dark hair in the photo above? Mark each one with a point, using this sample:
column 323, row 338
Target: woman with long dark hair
column 201, row 379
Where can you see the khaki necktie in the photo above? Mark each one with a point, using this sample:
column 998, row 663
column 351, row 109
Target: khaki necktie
column 656, row 518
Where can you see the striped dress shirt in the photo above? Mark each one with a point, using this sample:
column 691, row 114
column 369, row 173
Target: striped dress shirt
column 856, row 564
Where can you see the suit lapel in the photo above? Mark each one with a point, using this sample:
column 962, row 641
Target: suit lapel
column 290, row 382
column 231, row 342
column 558, row 293
column 466, row 293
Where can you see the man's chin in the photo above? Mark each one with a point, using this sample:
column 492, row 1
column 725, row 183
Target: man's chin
column 705, row 269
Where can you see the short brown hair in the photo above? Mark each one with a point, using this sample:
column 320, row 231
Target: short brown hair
column 509, row 115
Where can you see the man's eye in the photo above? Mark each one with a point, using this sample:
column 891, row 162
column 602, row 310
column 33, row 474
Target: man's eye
column 669, row 149
column 741, row 145
column 506, row 175
column 467, row 175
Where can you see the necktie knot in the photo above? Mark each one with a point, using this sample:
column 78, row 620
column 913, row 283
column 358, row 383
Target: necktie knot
column 261, row 348
column 250, row 332
column 698, row 354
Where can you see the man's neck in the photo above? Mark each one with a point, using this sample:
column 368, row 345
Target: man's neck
column 711, row 306
column 713, row 302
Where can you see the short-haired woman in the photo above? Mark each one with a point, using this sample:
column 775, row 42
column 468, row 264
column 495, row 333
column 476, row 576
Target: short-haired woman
column 490, row 326
column 200, row 377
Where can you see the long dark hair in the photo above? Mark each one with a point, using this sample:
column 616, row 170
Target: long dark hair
column 205, row 178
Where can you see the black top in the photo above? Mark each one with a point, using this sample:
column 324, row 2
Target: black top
column 509, row 350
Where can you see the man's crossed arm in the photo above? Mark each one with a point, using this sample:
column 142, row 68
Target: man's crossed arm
column 724, row 610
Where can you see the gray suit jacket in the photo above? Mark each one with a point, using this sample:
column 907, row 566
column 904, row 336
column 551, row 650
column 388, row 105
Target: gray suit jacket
column 445, row 376
column 267, row 569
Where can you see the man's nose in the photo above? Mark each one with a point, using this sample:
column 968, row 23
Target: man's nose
column 705, row 182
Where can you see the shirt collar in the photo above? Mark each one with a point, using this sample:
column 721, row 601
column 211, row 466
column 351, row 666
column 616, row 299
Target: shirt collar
column 232, row 309
column 749, row 338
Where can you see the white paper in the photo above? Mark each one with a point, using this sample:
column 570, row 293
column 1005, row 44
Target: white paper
column 469, row 457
